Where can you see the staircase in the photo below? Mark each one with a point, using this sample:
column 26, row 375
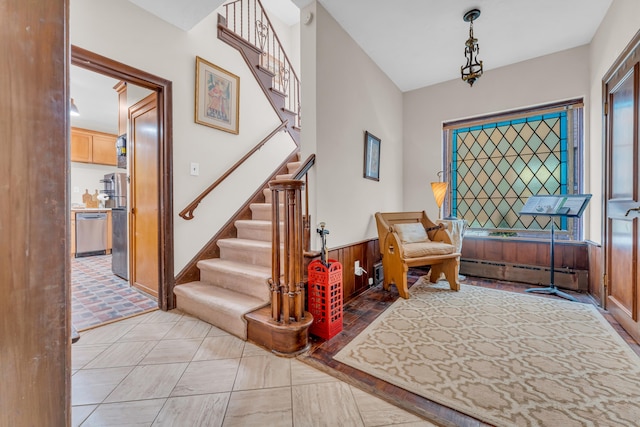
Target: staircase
column 235, row 292
column 236, row 283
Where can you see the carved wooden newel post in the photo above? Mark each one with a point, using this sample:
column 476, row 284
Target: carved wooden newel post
column 287, row 282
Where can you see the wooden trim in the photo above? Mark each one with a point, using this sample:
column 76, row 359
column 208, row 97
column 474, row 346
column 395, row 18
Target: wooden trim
column 596, row 271
column 514, row 114
column 35, row 318
column 617, row 70
column 103, row 65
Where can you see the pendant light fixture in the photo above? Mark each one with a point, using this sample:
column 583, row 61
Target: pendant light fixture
column 73, row 109
column 473, row 70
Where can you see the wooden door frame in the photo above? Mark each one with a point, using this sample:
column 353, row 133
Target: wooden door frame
column 630, row 53
column 103, row 65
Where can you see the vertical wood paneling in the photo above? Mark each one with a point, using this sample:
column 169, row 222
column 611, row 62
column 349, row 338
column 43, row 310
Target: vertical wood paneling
column 368, row 253
column 35, row 327
column 595, row 272
column 567, row 255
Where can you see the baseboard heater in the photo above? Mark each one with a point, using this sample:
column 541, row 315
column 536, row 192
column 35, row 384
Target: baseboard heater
column 566, row 278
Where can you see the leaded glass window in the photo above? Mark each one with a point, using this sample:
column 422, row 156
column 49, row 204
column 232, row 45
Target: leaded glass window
column 498, row 163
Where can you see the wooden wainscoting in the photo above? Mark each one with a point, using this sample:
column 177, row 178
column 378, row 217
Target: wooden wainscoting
column 596, row 284
column 368, row 253
column 526, row 261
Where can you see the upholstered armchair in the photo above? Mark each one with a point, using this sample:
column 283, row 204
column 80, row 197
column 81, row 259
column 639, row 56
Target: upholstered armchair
column 411, row 239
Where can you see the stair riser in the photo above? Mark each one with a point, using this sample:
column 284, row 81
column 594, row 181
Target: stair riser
column 249, row 285
column 263, row 213
column 254, row 256
column 219, row 318
column 263, row 234
column 268, row 198
column 292, row 167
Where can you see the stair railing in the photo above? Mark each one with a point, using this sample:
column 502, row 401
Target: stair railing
column 300, row 173
column 248, row 20
column 187, row 213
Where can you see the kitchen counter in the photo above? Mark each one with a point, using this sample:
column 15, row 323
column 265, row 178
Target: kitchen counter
column 90, row 209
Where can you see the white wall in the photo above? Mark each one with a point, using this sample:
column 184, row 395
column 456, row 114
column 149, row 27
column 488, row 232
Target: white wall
column 560, row 76
column 352, row 96
column 85, row 176
column 617, row 29
column 121, row 31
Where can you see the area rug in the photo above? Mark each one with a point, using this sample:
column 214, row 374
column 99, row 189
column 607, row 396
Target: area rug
column 504, row 358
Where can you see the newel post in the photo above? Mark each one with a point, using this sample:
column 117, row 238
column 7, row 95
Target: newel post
column 287, row 287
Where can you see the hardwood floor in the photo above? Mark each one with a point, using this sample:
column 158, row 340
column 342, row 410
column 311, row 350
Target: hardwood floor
column 361, row 311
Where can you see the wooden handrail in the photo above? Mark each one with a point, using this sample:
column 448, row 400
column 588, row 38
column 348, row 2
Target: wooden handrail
column 306, row 218
column 187, row 213
column 304, row 167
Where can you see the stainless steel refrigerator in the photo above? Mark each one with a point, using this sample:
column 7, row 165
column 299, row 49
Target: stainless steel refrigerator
column 115, row 186
column 119, row 242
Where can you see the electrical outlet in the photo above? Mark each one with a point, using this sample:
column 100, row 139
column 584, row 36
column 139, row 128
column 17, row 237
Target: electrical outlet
column 195, row 169
column 357, row 269
column 370, row 281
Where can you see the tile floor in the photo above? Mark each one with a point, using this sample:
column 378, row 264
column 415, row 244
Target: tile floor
column 167, row 368
column 98, row 296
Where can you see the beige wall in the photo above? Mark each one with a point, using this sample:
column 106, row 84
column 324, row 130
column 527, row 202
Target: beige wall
column 617, row 29
column 120, row 30
column 560, row 76
column 352, row 95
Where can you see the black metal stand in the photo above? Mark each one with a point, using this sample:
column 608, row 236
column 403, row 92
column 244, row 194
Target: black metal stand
column 552, row 289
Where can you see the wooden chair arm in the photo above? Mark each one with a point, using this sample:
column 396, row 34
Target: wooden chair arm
column 442, row 235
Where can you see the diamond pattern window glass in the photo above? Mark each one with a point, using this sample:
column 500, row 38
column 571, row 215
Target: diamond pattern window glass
column 498, row 164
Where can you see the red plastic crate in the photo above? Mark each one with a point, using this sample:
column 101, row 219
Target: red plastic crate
column 325, row 298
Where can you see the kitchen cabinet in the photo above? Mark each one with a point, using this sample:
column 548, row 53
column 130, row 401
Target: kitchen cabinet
column 89, row 146
column 123, row 109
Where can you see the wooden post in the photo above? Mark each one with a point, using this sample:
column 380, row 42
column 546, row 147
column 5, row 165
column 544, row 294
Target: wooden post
column 287, row 302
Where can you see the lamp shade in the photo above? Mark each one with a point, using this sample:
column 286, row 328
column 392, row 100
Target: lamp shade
column 74, row 110
column 439, row 192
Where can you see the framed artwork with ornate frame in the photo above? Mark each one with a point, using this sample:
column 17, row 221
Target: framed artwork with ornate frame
column 217, row 97
column 371, row 156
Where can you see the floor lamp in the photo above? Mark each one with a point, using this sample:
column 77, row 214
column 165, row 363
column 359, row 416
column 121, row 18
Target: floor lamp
column 439, row 192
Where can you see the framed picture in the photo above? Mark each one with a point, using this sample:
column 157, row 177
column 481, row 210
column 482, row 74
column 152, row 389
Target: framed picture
column 371, row 157
column 217, row 97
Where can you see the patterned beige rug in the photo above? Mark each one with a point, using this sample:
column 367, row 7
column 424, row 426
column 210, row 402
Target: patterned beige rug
column 505, row 358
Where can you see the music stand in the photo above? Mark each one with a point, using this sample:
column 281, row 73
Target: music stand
column 566, row 205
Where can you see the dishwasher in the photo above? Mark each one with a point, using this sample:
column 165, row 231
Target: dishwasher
column 91, row 233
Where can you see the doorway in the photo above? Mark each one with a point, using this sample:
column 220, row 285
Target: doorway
column 100, row 288
column 161, row 88
column 621, row 97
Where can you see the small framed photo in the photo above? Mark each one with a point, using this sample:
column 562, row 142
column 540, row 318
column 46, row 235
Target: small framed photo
column 217, row 97
column 371, row 156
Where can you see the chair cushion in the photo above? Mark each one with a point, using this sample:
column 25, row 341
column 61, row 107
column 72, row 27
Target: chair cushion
column 417, row 250
column 413, row 232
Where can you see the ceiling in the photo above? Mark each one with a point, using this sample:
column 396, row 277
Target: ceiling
column 421, row 42
column 416, row 43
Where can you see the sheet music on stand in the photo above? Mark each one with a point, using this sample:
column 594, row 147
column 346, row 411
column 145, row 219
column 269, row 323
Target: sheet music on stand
column 567, row 205
column 570, row 205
